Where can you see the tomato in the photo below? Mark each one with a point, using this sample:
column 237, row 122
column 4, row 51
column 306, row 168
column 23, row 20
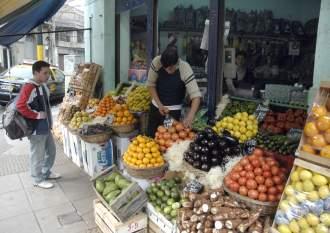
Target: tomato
column 243, row 190
column 167, row 136
column 262, row 197
column 278, row 197
column 265, row 167
column 269, row 182
column 272, row 190
column 260, row 179
column 234, row 187
column 266, row 174
column 257, row 171
column 262, row 189
column 271, row 198
column 228, row 182
column 238, row 168
column 248, row 167
column 251, row 184
column 171, row 130
column 182, row 134
column 249, row 175
column 275, row 170
column 242, row 173
column 252, row 158
column 179, row 127
column 244, row 162
column 280, row 188
column 175, row 136
column 234, row 176
column 253, row 194
column 242, row 181
column 277, row 179
column 255, row 163
column 271, row 162
column 258, row 152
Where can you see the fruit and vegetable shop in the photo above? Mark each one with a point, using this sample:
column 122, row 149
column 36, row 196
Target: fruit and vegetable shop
column 251, row 155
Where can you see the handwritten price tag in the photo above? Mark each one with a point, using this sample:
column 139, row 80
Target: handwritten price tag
column 134, row 226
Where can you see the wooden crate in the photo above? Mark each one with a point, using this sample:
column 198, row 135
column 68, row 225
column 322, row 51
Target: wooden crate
column 159, row 220
column 108, row 223
column 322, row 97
column 303, row 164
column 129, row 202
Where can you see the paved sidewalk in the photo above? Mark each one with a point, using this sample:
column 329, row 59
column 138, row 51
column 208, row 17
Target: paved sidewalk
column 67, row 208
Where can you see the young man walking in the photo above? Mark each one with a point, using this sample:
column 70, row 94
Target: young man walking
column 33, row 104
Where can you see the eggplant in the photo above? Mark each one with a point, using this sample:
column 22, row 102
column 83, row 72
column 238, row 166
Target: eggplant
column 196, row 156
column 186, row 156
column 192, row 146
column 197, row 148
column 205, row 150
column 190, row 160
column 215, row 161
column 214, row 153
column 211, row 144
column 204, row 158
column 227, row 151
column 205, row 167
column 231, row 141
column 197, row 164
column 204, row 142
column 235, row 150
column 199, row 136
column 209, row 130
column 222, row 144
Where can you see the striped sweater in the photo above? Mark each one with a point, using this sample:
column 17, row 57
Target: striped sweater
column 186, row 73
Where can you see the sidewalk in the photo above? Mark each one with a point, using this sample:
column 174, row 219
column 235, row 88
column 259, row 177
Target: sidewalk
column 67, row 208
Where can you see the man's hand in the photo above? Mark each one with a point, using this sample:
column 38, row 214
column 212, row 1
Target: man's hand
column 187, row 122
column 42, row 115
column 163, row 110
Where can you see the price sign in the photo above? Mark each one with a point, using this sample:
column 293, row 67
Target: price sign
column 294, row 134
column 132, row 227
column 249, row 146
column 261, row 112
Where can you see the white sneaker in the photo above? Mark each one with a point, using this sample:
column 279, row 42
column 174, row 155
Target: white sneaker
column 54, row 176
column 44, row 185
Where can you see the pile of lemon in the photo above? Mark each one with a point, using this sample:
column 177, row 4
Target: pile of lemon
column 143, row 152
column 241, row 126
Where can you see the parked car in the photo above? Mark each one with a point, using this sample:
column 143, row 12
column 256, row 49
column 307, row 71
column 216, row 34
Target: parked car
column 12, row 80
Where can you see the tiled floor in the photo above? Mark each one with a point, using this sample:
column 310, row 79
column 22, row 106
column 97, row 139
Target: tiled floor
column 67, row 208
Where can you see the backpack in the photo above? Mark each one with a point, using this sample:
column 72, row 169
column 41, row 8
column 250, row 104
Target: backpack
column 16, row 126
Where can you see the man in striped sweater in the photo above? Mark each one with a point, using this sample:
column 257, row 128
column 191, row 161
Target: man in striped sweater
column 169, row 78
column 33, row 104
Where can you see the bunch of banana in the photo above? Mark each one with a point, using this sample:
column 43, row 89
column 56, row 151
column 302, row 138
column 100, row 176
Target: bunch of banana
column 139, row 99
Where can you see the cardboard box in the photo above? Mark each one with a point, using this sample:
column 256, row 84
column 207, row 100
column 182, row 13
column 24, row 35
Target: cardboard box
column 108, row 223
column 75, row 148
column 321, row 104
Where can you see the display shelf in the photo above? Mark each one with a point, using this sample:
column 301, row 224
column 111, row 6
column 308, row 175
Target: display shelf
column 270, row 103
column 270, row 37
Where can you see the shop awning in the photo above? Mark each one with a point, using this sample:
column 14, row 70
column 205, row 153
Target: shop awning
column 20, row 17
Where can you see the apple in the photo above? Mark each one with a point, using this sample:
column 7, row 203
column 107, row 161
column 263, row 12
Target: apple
column 283, row 228
column 308, row 186
column 312, row 219
column 284, row 205
column 303, row 224
column 321, row 229
column 313, row 196
column 324, row 191
column 301, row 197
column 292, row 200
column 319, row 180
column 299, row 186
column 325, row 219
column 294, row 227
column 295, row 176
column 305, row 175
column 308, row 230
column 289, row 191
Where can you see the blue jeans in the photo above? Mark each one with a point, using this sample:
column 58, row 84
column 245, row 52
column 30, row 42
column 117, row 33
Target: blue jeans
column 42, row 157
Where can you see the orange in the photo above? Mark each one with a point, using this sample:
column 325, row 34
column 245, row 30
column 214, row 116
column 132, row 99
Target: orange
column 325, row 152
column 146, row 150
column 319, row 141
column 148, row 155
column 319, row 111
column 327, row 136
column 120, row 114
column 145, row 161
column 139, row 149
column 138, row 162
column 142, row 145
column 142, row 166
column 154, row 149
column 160, row 160
column 308, row 148
column 156, row 154
column 140, row 156
column 149, row 165
column 323, row 123
column 127, row 113
column 153, row 160
column 311, row 129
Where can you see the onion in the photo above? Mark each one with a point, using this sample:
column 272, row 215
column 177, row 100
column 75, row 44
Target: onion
column 243, row 191
column 253, row 194
column 251, row 184
column 269, row 182
column 262, row 197
column 242, row 181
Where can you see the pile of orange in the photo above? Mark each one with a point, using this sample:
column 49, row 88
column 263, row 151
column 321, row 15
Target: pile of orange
column 143, row 152
column 122, row 116
column 317, row 132
column 105, row 106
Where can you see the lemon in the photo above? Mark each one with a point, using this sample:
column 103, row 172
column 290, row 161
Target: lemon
column 236, row 128
column 238, row 116
column 252, row 117
column 249, row 134
column 243, row 138
column 230, row 120
column 235, row 121
column 242, row 123
column 242, row 130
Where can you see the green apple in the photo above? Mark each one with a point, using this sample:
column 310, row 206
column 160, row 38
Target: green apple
column 319, row 180
column 289, row 190
column 292, row 200
column 299, row 186
column 324, row 191
column 308, row 186
column 284, row 205
column 294, row 227
column 303, row 224
column 321, row 228
column 305, row 175
column 295, row 176
column 313, row 196
column 325, row 219
column 283, row 228
column 308, row 230
column 312, row 219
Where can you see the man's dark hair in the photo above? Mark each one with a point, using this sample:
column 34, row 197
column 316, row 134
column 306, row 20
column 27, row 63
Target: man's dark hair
column 170, row 56
column 37, row 66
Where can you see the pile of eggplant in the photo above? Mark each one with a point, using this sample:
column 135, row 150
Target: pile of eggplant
column 209, row 150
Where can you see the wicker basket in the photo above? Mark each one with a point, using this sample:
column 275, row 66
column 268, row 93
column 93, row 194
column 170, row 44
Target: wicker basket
column 198, row 173
column 123, row 128
column 267, row 208
column 146, row 173
column 96, row 138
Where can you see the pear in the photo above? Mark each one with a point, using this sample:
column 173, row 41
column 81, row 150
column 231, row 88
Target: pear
column 289, row 191
column 303, row 224
column 319, row 180
column 313, row 196
column 305, row 175
column 295, row 176
column 312, row 219
column 294, row 227
column 324, row 191
column 308, row 186
column 321, row 228
column 284, row 228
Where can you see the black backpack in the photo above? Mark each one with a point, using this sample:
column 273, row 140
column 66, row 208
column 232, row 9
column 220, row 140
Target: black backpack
column 16, row 126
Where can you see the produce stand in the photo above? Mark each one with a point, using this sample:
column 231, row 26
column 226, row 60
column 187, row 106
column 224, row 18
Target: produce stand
column 230, row 175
